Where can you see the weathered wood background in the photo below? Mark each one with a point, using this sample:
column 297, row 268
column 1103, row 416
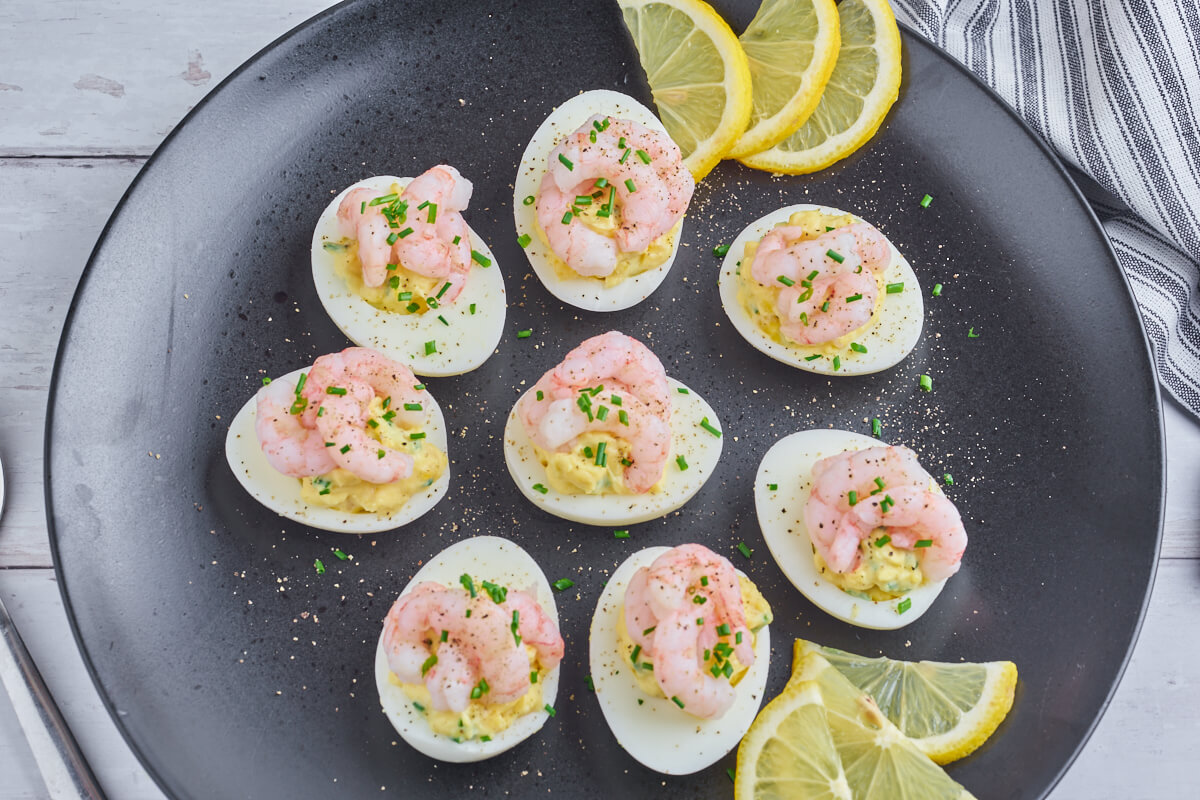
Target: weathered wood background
column 87, row 91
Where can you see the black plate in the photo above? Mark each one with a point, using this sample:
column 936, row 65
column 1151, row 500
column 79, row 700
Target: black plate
column 235, row 671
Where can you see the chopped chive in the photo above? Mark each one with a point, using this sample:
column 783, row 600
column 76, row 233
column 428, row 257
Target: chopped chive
column 601, row 457
column 319, row 567
column 387, row 417
column 583, row 199
column 320, row 411
column 925, row 201
column 338, row 390
column 837, row 363
column 879, row 482
column 682, row 462
column 394, row 282
column 566, row 220
column 428, row 665
column 412, row 407
column 813, row 357
column 852, row 498
column 430, row 347
column 622, row 534
column 699, row 599
column 937, row 290
column 624, row 156
column 785, row 280
column 704, row 580
column 345, row 449
column 813, row 274
column 636, row 652
column 699, row 620
column 549, row 709
column 432, row 218
column 601, row 183
column 720, row 250
column 480, row 259
column 266, row 381
column 723, row 629
column 644, row 156
column 562, row 584
column 948, row 479
column 630, row 185
column 730, row 773
column 615, row 399
column 566, row 162
column 380, row 454
column 472, row 309
column 835, row 255
column 404, row 296
column 602, row 413
column 457, row 239
column 704, row 423
column 525, row 334
column 774, row 487
column 876, row 427
column 417, row 436
column 363, row 208
column 854, row 298
column 895, row 288
column 418, row 706
column 528, row 200
column 744, row 550
column 924, row 543
column 533, row 676
column 588, row 680
column 537, row 487
column 882, row 540
column 412, row 308
column 623, row 417
column 971, row 334
column 682, row 390
column 445, row 635
column 858, row 348
column 825, row 306
column 524, row 239
column 431, row 302
column 443, row 320
column 675, row 699
column 737, row 639
column 926, row 383
column 649, row 630
column 443, row 290
column 904, row 605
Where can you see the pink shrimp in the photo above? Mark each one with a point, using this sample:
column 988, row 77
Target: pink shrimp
column 289, row 447
column 680, row 608
column 366, row 224
column 904, row 506
column 646, row 180
column 477, row 645
column 622, row 366
column 811, row 278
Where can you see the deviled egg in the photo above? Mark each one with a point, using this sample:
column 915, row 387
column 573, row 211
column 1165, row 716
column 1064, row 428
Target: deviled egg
column 467, row 664
column 679, row 654
column 606, row 438
column 354, row 444
column 425, row 289
column 823, row 291
column 858, row 526
column 599, row 201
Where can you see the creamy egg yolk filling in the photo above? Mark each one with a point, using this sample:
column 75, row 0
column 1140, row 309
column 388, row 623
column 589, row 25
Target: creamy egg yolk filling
column 594, row 465
column 604, row 217
column 480, row 719
column 884, row 571
column 758, row 301
column 720, row 661
column 342, row 490
column 403, row 292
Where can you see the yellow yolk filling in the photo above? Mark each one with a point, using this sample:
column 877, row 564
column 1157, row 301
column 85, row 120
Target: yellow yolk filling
column 757, row 611
column 628, row 264
column 479, row 718
column 758, row 300
column 403, row 292
column 883, row 573
column 342, row 490
column 576, row 471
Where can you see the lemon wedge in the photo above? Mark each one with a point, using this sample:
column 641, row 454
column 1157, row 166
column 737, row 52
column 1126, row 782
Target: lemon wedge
column 698, row 74
column 864, row 84
column 792, row 46
column 948, row 710
column 880, row 762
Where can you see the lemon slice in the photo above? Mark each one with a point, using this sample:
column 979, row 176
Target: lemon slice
column 880, row 762
column 948, row 710
column 792, row 46
column 698, row 75
column 864, row 84
column 788, row 751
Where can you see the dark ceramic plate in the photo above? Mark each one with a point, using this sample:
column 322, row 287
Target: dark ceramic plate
column 236, row 671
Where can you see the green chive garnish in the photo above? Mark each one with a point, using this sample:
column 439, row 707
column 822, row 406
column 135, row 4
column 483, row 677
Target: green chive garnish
column 644, row 156
column 406, row 232
column 528, row 200
column 380, row 454
column 774, row 487
column 524, row 239
column 537, row 487
column 924, row 543
column 813, row 357
column 744, row 550
column 704, row 423
column 566, row 162
column 588, row 680
column 682, row 390
column 472, row 309
column 525, row 334
column 926, row 383
column 876, row 427
column 428, row 665
column 430, row 347
column 854, row 298
column 682, row 462
column 621, row 535
column 785, row 280
column 723, row 629
column 895, row 288
column 480, row 259
column 549, row 709
column 338, row 390
column 948, row 479
column 443, row 320
column 412, row 407
column 825, row 306
column 882, row 540
column 566, row 220
column 858, row 348
column 904, row 605
column 937, row 290
column 676, row 701
column 623, row 417
column 418, row 706
column 629, row 184
column 835, row 255
column 417, row 436
column 971, row 334
column 925, row 201
column 601, row 458
column 319, row 567
column 837, row 363
column 345, row 449
column 852, row 498
column 720, row 250
column 562, row 584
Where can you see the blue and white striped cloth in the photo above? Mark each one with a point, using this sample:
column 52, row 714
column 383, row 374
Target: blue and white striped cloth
column 1114, row 87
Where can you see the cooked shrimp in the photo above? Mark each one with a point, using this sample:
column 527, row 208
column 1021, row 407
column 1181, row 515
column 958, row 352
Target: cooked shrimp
column 441, row 248
column 622, row 366
column 432, row 238
column 822, row 297
column 903, row 504
column 362, row 365
column 344, row 423
column 479, row 643
column 674, row 609
column 643, row 172
column 289, row 447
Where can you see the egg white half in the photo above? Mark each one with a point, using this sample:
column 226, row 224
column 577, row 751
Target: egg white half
column 281, row 493
column 892, row 336
column 589, row 294
column 788, row 464
column 658, row 733
column 485, row 558
column 464, row 344
column 700, row 449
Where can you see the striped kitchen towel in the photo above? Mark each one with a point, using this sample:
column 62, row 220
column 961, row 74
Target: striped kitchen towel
column 1114, row 87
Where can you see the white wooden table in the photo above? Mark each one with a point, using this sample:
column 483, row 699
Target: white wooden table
column 87, row 91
